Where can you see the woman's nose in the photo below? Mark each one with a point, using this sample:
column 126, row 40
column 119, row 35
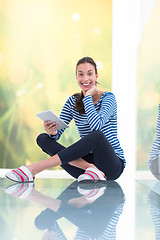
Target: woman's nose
column 86, row 77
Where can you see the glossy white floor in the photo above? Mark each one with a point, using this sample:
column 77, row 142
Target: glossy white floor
column 58, row 208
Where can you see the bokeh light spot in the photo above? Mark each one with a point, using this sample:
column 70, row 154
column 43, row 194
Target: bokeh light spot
column 75, row 16
column 99, row 65
column 39, row 85
column 21, row 92
column 96, row 30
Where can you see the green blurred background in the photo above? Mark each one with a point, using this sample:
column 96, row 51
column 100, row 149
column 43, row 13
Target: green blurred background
column 40, row 44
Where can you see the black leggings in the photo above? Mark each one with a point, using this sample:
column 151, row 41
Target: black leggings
column 94, row 148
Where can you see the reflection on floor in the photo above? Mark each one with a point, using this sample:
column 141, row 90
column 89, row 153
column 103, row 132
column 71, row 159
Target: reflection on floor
column 148, row 210
column 63, row 209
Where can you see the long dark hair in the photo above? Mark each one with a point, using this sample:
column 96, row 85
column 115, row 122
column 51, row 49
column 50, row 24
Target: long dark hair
column 79, row 106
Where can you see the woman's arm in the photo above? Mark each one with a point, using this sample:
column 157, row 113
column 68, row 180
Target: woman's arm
column 155, row 150
column 66, row 116
column 96, row 119
column 158, row 127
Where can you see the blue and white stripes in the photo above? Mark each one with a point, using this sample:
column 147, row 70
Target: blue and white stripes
column 155, row 213
column 155, row 151
column 109, row 232
column 98, row 119
column 101, row 116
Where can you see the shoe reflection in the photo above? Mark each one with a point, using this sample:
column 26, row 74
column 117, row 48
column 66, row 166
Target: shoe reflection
column 93, row 208
column 154, row 204
column 21, row 190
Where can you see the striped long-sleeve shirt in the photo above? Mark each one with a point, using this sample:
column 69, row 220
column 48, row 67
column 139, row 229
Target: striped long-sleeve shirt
column 109, row 232
column 155, row 151
column 101, row 116
column 153, row 201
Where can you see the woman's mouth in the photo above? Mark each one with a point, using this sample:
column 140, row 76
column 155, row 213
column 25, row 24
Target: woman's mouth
column 86, row 84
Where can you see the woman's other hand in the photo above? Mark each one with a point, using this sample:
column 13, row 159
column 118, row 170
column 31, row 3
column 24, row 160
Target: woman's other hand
column 50, row 128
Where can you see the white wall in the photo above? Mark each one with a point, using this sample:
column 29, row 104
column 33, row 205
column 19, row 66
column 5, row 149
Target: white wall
column 129, row 20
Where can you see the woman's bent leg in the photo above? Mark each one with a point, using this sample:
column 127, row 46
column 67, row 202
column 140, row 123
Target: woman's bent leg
column 104, row 156
column 48, row 144
column 51, row 147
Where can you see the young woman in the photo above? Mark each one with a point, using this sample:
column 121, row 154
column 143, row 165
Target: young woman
column 154, row 161
column 98, row 154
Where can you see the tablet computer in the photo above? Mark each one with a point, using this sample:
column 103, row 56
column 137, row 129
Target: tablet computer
column 50, row 116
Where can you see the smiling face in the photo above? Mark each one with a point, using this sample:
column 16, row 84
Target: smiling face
column 86, row 76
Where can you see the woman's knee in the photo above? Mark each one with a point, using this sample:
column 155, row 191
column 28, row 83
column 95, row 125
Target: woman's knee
column 98, row 134
column 41, row 139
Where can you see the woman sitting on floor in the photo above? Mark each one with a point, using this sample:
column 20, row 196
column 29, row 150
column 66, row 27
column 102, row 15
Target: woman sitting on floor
column 98, row 154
